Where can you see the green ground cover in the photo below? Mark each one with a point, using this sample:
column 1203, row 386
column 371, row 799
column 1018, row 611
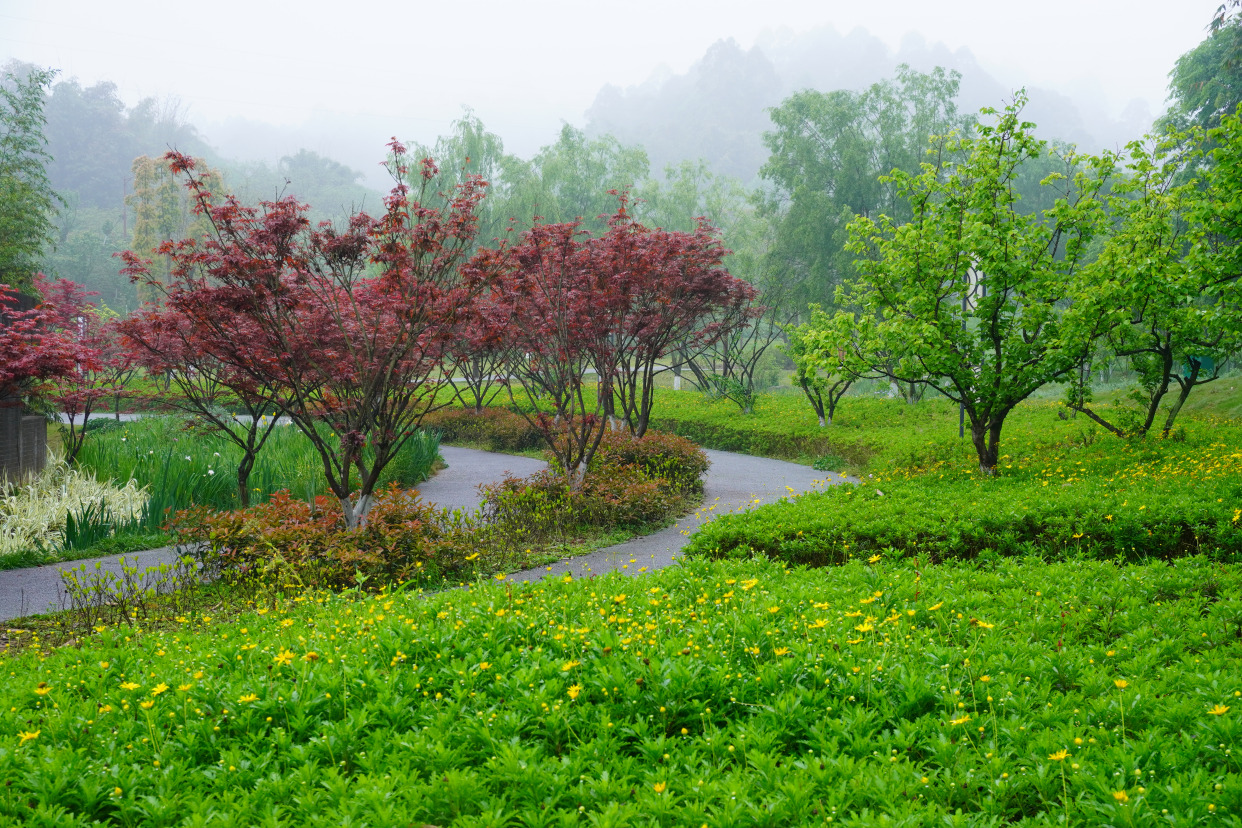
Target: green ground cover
column 720, row 693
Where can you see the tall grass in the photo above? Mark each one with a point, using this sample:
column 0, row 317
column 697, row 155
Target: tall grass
column 179, row 464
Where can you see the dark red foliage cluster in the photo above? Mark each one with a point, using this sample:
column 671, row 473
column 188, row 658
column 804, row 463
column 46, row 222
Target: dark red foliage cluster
column 289, row 543
column 65, row 351
column 583, row 324
column 31, row 349
column 345, row 326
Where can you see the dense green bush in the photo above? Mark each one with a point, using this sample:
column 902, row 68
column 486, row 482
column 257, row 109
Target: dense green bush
column 942, row 522
column 1109, row 499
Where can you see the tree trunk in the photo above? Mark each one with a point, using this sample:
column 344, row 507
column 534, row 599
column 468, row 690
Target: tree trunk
column 986, row 437
column 355, row 511
column 1186, row 386
column 244, row 468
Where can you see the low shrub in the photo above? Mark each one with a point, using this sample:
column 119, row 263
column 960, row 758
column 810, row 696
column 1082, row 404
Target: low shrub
column 493, row 429
column 631, row 484
column 675, row 460
column 287, row 542
column 542, row 506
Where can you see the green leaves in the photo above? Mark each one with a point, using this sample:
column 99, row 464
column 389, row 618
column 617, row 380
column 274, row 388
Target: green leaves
column 28, row 204
column 964, row 293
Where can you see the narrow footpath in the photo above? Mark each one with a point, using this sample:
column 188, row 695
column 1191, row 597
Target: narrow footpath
column 735, row 482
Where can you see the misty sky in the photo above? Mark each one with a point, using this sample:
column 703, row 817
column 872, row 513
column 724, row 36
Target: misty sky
column 407, row 68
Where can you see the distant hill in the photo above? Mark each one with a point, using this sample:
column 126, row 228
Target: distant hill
column 716, row 110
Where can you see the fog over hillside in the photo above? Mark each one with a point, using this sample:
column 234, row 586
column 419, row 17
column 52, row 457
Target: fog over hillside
column 716, row 110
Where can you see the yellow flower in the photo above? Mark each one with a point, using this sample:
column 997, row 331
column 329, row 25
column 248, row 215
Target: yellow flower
column 875, row 559
column 774, row 610
column 1219, row 710
column 574, row 690
column 129, row 685
column 936, row 607
column 1121, row 684
column 147, row 705
column 781, row 651
column 985, row 679
column 311, row 656
column 283, row 658
column 159, row 688
column 117, row 792
column 965, row 718
column 249, row 697
column 1121, row 797
column 184, row 687
column 486, row 665
column 26, row 736
column 1059, row 756
column 660, row 786
column 43, row 689
column 569, row 665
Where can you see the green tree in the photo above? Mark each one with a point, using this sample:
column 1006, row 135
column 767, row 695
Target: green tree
column 571, row 180
column 965, row 294
column 28, row 203
column 1159, row 277
column 830, row 153
column 163, row 211
column 471, row 150
column 1206, row 82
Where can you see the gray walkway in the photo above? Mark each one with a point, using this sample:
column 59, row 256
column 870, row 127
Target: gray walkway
column 734, row 482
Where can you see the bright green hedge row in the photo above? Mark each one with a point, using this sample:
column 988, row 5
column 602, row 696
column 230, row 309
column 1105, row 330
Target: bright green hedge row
column 964, row 519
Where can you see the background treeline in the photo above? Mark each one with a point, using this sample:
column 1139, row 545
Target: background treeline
column 779, row 146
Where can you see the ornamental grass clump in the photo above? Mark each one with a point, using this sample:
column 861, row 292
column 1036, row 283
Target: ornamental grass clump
column 33, row 517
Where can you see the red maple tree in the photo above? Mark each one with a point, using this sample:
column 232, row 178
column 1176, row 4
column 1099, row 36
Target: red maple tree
column 565, row 305
column 199, row 367
column 349, row 324
column 31, row 350
column 98, row 366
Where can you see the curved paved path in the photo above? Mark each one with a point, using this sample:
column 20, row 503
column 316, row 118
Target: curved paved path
column 735, row 482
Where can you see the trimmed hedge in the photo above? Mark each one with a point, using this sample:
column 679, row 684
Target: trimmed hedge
column 965, row 519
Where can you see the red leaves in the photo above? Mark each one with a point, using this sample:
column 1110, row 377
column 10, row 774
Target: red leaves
column 346, row 324
column 31, row 348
